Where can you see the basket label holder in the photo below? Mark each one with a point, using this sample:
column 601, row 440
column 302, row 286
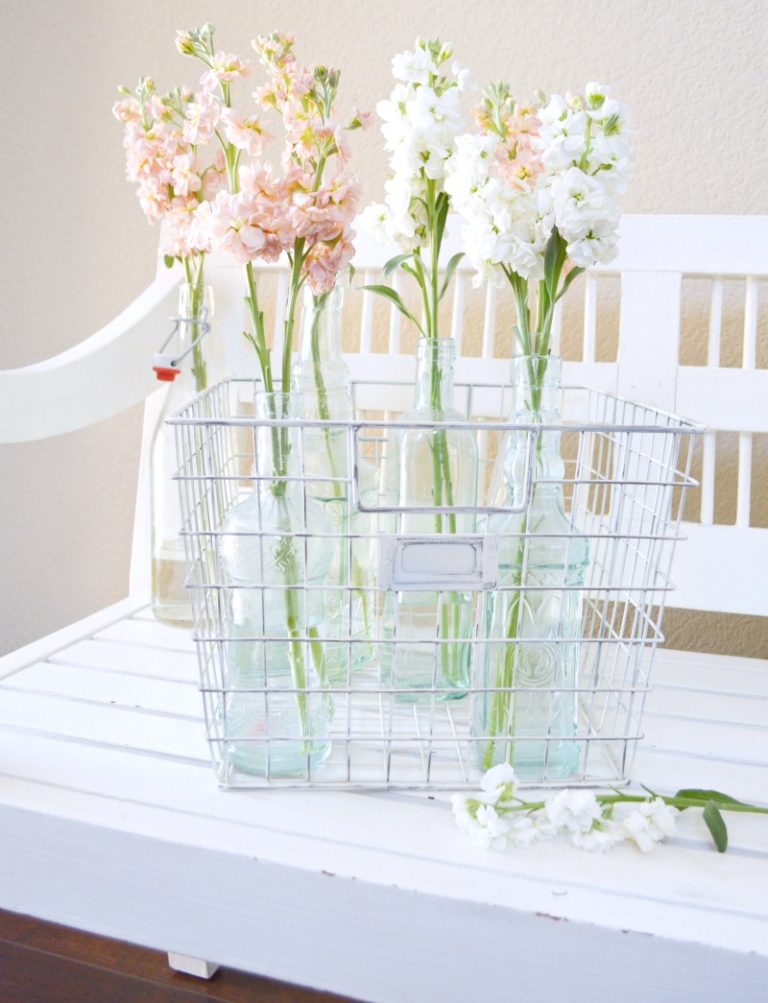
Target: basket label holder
column 420, row 563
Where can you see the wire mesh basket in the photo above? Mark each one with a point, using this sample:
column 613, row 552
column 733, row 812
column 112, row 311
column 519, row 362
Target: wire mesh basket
column 344, row 642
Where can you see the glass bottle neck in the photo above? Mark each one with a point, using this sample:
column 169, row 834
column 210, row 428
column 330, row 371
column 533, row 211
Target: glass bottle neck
column 195, row 309
column 535, row 383
column 536, row 398
column 277, row 447
column 435, row 360
column 321, row 326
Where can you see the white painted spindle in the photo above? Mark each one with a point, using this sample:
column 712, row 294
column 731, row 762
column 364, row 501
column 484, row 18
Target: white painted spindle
column 708, row 457
column 745, row 480
column 489, row 321
column 366, row 319
column 395, row 317
column 715, row 322
column 750, row 324
column 590, row 317
column 557, row 327
column 457, row 314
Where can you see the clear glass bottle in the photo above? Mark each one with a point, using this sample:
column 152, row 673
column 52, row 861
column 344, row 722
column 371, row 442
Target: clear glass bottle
column 529, row 636
column 426, row 633
column 275, row 556
column 322, row 377
column 170, row 600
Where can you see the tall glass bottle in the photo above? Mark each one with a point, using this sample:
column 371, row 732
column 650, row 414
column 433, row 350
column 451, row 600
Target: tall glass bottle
column 322, row 378
column 170, row 601
column 426, row 633
column 529, row 636
column 275, row 555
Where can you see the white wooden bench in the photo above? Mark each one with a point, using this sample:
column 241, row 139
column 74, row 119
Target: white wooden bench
column 110, row 820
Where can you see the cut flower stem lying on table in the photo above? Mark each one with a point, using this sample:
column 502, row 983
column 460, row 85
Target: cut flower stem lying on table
column 497, row 818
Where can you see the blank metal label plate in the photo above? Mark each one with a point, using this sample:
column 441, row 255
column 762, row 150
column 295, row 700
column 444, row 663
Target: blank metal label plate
column 415, row 563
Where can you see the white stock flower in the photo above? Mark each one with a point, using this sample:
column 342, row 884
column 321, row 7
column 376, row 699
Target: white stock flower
column 499, row 782
column 562, row 138
column 579, row 202
column 413, row 67
column 467, row 170
column 649, row 823
column 420, row 123
column 601, row 837
column 375, row 219
column 574, row 810
column 525, row 830
column 485, row 827
column 595, row 95
column 599, row 244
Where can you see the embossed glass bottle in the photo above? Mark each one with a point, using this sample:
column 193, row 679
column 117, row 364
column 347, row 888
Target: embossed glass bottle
column 426, row 633
column 170, row 601
column 322, row 378
column 529, row 647
column 275, row 556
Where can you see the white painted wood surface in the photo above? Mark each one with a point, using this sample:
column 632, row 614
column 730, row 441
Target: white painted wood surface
column 111, row 822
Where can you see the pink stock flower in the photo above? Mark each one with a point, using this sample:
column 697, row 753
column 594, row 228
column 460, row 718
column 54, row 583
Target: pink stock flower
column 361, row 119
column 275, row 49
column 127, row 110
column 176, row 227
column 153, row 198
column 201, row 117
column 224, row 69
column 517, row 158
column 324, row 262
column 184, row 176
column 244, row 133
column 214, row 180
column 229, row 228
column 158, row 109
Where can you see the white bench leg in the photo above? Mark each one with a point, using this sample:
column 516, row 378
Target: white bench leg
column 192, row 966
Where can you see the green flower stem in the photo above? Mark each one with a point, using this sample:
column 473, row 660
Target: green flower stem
column 193, row 274
column 296, row 653
column 611, row 799
column 320, row 388
column 503, row 703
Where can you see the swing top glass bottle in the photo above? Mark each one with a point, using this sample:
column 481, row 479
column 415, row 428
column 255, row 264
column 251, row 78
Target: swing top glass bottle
column 170, row 601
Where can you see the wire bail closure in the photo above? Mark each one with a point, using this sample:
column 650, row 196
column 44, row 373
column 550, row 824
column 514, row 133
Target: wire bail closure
column 167, row 365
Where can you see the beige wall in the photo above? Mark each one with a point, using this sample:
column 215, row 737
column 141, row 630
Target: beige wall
column 76, row 248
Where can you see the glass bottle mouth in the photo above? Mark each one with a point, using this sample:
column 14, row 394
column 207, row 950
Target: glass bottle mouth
column 440, row 348
column 536, row 371
column 192, row 300
column 332, row 300
column 277, row 404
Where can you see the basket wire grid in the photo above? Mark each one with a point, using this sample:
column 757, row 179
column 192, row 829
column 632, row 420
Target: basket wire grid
column 627, row 469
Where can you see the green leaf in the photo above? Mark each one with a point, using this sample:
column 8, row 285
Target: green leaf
column 573, row 274
column 550, row 261
column 443, row 202
column 393, row 297
column 394, row 263
column 169, row 260
column 450, row 268
column 716, row 825
column 694, row 794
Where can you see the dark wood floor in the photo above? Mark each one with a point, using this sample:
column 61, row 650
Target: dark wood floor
column 44, row 963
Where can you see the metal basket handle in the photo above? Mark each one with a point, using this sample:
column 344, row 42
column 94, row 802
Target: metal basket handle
column 357, row 499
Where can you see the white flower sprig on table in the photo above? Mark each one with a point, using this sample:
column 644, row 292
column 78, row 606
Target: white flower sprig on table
column 497, row 818
column 537, row 189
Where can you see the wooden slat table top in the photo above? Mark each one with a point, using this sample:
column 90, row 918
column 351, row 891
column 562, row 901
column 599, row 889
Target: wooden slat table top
column 111, row 821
